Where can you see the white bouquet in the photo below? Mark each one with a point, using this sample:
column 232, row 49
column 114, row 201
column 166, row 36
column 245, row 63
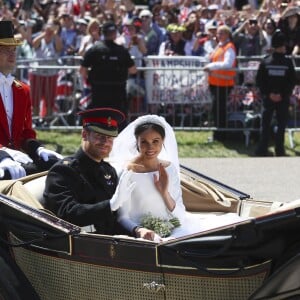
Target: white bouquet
column 163, row 227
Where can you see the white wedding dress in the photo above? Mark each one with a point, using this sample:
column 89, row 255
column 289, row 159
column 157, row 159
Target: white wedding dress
column 145, row 198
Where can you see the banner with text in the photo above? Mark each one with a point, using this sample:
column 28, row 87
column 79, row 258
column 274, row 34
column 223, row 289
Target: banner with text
column 176, row 80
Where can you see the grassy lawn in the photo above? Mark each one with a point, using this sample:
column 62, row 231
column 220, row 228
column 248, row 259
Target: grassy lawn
column 190, row 144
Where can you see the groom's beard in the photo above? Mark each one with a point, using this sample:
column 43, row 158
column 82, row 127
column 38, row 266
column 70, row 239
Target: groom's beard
column 98, row 151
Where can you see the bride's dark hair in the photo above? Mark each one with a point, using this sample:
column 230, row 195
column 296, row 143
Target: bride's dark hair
column 145, row 126
column 125, row 145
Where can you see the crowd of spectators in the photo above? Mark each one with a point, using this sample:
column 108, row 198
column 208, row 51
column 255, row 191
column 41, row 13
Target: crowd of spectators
column 178, row 27
column 52, row 29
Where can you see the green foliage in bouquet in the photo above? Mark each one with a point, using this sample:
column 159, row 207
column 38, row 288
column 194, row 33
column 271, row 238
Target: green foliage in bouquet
column 160, row 226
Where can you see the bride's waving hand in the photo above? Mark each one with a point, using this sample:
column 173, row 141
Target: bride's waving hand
column 161, row 182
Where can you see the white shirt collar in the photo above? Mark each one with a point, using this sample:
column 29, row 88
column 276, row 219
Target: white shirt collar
column 7, row 80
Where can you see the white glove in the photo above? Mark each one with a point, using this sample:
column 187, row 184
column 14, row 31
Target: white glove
column 14, row 168
column 123, row 191
column 45, row 153
column 18, row 156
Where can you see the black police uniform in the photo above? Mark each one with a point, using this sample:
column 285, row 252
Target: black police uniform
column 276, row 74
column 78, row 190
column 109, row 64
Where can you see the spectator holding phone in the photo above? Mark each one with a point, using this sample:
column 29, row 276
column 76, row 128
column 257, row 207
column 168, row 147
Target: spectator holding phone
column 248, row 38
column 249, row 41
column 210, row 42
column 132, row 40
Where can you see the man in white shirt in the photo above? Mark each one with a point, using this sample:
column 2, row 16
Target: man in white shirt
column 20, row 152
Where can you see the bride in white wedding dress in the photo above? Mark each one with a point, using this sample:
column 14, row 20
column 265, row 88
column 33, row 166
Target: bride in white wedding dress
column 148, row 148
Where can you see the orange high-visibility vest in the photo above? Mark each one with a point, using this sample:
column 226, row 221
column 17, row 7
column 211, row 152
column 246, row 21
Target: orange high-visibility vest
column 222, row 77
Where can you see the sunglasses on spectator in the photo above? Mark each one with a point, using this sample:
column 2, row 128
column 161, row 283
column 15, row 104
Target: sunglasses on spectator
column 252, row 22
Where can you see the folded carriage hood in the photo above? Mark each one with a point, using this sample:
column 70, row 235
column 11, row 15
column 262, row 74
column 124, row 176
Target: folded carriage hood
column 35, row 227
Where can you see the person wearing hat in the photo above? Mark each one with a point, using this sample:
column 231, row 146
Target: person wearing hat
column 47, row 45
column 20, row 152
column 92, row 35
column 106, row 66
column 210, row 43
column 174, row 44
column 83, row 189
column 289, row 24
column 80, row 27
column 132, row 40
column 276, row 78
column 153, row 34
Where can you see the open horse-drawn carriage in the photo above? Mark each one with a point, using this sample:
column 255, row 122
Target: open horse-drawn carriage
column 44, row 257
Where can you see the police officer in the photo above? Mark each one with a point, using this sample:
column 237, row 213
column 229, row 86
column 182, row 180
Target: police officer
column 83, row 189
column 106, row 66
column 276, row 78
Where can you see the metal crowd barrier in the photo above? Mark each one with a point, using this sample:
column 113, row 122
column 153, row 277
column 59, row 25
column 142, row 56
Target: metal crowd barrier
column 56, row 89
column 175, row 87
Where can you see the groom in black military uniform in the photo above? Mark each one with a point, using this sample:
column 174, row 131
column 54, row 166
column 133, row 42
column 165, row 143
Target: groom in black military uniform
column 83, row 189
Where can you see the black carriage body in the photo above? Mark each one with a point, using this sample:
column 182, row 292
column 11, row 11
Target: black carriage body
column 240, row 261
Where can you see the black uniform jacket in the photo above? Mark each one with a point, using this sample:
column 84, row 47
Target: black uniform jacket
column 276, row 74
column 78, row 190
column 108, row 63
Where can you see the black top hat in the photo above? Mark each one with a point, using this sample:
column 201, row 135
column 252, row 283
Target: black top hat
column 278, row 39
column 102, row 120
column 7, row 34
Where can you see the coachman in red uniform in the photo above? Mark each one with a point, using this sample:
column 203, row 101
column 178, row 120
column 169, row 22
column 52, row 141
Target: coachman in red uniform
column 20, row 152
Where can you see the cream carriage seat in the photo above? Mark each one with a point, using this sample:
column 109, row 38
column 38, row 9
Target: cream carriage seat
column 36, row 188
column 28, row 189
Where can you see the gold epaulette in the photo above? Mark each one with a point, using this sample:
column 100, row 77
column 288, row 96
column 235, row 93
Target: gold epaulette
column 66, row 162
column 17, row 83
